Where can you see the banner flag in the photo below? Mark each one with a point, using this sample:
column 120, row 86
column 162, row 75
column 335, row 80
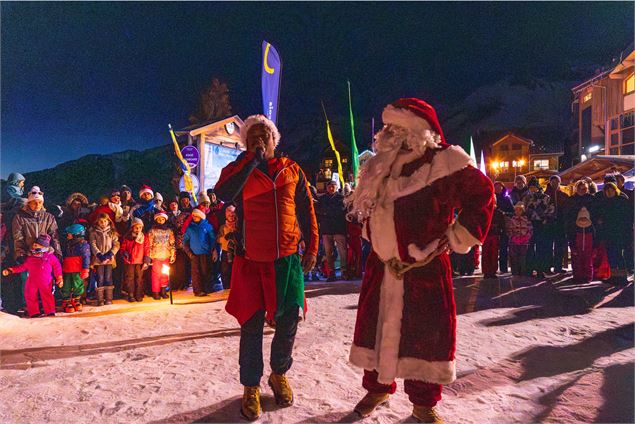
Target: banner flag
column 271, row 72
column 185, row 167
column 472, row 151
column 482, row 165
column 340, row 173
column 354, row 152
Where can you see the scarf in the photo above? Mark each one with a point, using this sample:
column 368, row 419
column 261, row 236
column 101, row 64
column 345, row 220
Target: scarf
column 144, row 208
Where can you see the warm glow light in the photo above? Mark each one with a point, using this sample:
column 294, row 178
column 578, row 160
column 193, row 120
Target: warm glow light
column 514, row 163
column 594, row 149
column 165, row 269
column 495, row 165
column 521, row 163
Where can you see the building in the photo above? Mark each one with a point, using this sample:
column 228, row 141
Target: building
column 604, row 109
column 328, row 165
column 218, row 143
column 512, row 155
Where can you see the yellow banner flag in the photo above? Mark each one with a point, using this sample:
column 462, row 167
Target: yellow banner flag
column 185, row 167
column 340, row 173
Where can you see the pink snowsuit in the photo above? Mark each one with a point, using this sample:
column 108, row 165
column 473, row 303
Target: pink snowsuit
column 39, row 281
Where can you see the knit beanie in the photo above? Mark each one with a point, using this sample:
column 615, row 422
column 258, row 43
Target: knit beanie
column 199, row 213
column 184, row 195
column 44, row 240
column 202, row 198
column 136, row 221
column 158, row 197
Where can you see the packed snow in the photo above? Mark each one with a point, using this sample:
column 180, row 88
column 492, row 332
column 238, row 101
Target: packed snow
column 528, row 351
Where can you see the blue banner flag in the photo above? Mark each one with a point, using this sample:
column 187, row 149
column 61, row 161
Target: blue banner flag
column 271, row 71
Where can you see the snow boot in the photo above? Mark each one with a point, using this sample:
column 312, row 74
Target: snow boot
column 108, row 291
column 77, row 304
column 67, row 306
column 156, row 296
column 281, row 389
column 425, row 414
column 370, row 402
column 250, row 404
column 100, row 296
column 163, row 293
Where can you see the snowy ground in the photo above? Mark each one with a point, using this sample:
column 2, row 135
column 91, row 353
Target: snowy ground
column 527, row 352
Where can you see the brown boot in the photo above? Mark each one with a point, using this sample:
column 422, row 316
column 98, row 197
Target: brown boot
column 250, row 405
column 425, row 414
column 281, row 389
column 370, row 402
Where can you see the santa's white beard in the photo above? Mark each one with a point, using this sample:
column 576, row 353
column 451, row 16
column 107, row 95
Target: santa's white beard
column 394, row 147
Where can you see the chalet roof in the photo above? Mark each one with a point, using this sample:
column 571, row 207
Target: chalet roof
column 509, row 135
column 597, row 166
column 534, row 154
column 203, row 127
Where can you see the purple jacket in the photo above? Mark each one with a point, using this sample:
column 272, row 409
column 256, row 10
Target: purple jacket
column 40, row 268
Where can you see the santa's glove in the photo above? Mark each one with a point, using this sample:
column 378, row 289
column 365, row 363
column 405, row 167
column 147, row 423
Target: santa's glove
column 147, row 260
column 59, row 281
column 83, row 274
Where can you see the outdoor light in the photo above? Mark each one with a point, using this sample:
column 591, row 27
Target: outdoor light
column 582, row 158
column 594, row 149
column 514, row 163
column 495, row 165
column 521, row 163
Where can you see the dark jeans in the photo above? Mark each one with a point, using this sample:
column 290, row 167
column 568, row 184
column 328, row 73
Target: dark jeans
column 557, row 242
column 502, row 253
column 225, row 270
column 539, row 255
column 250, row 356
column 181, row 275
column 201, row 273
column 104, row 275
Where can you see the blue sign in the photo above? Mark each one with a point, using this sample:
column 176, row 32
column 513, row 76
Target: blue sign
column 191, row 155
column 216, row 158
column 271, row 72
column 196, row 184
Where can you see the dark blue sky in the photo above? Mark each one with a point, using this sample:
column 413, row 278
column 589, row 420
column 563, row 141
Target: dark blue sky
column 80, row 78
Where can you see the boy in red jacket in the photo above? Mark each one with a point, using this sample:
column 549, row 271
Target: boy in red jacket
column 132, row 252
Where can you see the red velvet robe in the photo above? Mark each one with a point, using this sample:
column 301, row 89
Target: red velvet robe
column 407, row 328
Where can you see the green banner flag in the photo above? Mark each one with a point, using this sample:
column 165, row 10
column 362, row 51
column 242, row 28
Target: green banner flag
column 354, row 152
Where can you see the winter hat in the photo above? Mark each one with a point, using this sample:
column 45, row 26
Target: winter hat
column 35, row 194
column 115, row 192
column 521, row 177
column 158, row 197
column 610, row 178
column 202, row 198
column 136, row 221
column 75, row 230
column 183, row 195
column 555, row 177
column 533, row 182
column 44, row 240
column 161, row 214
column 146, row 189
column 262, row 120
column 15, row 178
column 414, row 114
column 125, row 188
column 500, row 183
column 199, row 213
column 332, row 182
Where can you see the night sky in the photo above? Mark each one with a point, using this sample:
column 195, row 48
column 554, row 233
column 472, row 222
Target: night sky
column 81, row 78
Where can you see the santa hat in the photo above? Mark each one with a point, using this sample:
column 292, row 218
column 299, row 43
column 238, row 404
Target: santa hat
column 199, row 213
column 161, row 214
column 146, row 189
column 259, row 120
column 413, row 114
column 137, row 221
column 158, row 197
column 35, row 194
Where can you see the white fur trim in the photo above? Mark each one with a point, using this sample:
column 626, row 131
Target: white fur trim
column 435, row 372
column 460, row 239
column 404, row 118
column 199, row 213
column 259, row 119
column 146, row 190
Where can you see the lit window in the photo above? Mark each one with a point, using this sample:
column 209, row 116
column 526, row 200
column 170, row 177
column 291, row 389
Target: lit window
column 505, row 165
column 629, row 84
column 587, row 97
column 541, row 164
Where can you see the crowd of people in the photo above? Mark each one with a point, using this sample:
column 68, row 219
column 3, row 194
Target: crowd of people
column 536, row 231
column 101, row 251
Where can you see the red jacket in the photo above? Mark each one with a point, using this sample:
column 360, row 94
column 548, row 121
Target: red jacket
column 132, row 250
column 276, row 206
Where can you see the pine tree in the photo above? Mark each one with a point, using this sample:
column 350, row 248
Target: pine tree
column 213, row 103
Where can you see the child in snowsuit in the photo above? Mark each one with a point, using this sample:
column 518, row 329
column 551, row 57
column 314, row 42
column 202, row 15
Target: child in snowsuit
column 75, row 267
column 132, row 252
column 227, row 239
column 104, row 244
column 519, row 232
column 198, row 243
column 159, row 252
column 40, row 264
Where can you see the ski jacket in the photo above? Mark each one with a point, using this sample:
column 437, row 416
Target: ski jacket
column 76, row 256
column 519, row 230
column 133, row 248
column 28, row 225
column 103, row 242
column 40, row 268
column 160, row 244
column 273, row 205
column 199, row 238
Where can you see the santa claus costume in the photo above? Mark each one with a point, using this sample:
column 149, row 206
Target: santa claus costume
column 407, row 196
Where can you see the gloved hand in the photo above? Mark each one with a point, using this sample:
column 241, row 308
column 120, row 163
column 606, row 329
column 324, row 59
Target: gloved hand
column 60, row 282
column 100, row 256
column 83, row 274
column 108, row 256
